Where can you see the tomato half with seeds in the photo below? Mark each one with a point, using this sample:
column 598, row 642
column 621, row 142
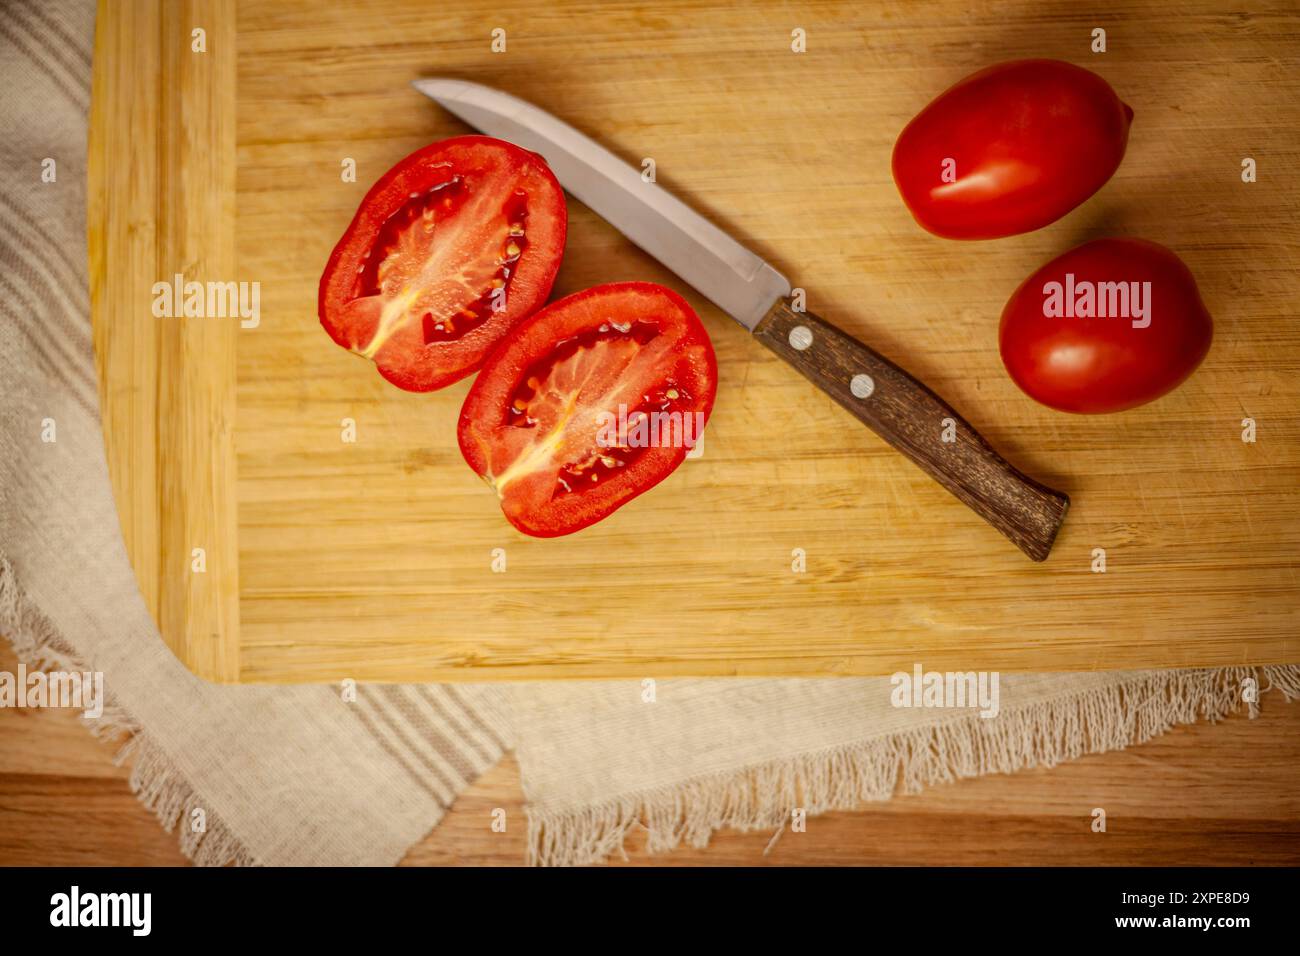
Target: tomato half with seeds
column 592, row 401
column 453, row 247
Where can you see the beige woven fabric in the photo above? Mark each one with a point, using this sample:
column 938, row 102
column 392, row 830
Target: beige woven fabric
column 600, row 760
column 299, row 775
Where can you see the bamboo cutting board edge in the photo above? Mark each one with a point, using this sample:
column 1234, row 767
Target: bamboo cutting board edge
column 161, row 201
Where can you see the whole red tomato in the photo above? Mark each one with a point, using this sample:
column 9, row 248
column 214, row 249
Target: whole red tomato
column 1110, row 325
column 1010, row 149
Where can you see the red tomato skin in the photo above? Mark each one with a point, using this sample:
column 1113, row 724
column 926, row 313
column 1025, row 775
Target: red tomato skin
column 379, row 202
column 564, row 318
column 1031, row 139
column 1101, row 365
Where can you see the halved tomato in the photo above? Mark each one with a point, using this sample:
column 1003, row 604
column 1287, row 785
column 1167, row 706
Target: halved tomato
column 592, row 401
column 453, row 247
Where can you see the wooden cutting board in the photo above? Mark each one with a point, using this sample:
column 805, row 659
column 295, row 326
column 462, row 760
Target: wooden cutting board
column 386, row 558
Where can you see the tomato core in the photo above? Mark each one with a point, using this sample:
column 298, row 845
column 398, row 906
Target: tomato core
column 404, row 246
column 542, row 386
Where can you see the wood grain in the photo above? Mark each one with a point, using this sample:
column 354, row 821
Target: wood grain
column 917, row 422
column 162, row 168
column 373, row 559
column 1226, row 794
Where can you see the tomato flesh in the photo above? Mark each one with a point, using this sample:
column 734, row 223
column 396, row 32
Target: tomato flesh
column 591, row 402
column 1010, row 149
column 452, row 248
column 1089, row 362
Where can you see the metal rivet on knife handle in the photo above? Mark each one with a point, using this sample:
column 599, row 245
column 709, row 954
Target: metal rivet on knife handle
column 903, row 411
column 801, row 337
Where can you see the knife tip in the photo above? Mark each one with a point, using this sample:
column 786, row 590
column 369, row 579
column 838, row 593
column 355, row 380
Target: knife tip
column 438, row 87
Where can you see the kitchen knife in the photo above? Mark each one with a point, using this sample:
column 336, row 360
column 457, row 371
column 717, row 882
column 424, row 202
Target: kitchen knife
column 900, row 409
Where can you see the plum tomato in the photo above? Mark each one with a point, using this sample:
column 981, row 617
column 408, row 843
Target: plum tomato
column 451, row 248
column 1109, row 325
column 1010, row 149
column 589, row 403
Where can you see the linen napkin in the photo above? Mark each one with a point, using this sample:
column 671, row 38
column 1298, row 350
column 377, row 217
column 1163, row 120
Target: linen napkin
column 599, row 760
column 306, row 775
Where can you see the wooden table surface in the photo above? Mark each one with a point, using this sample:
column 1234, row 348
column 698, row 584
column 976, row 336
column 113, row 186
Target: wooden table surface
column 374, row 559
column 1226, row 794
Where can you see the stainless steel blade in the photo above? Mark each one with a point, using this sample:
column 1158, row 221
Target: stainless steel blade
column 736, row 280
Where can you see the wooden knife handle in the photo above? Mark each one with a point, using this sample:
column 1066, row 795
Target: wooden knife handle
column 910, row 417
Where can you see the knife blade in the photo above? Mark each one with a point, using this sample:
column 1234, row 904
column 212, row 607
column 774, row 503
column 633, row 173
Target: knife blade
column 895, row 405
column 733, row 278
